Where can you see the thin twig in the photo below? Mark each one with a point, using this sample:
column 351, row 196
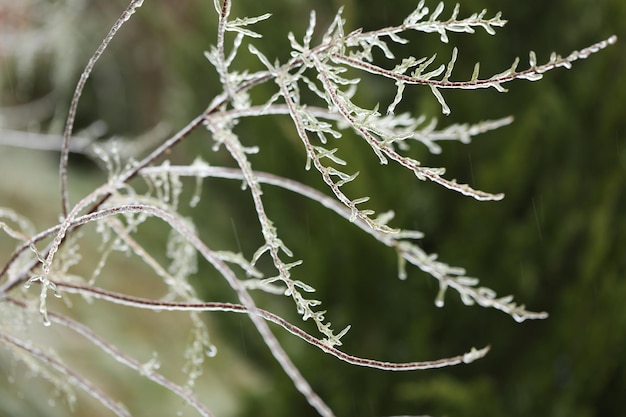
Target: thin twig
column 410, row 252
column 124, row 359
column 69, row 125
column 72, row 377
column 244, row 297
column 160, row 305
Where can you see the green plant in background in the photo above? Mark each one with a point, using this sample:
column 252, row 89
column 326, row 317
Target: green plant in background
column 318, row 89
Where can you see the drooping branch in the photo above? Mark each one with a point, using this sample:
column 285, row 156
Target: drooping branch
column 160, row 305
column 123, row 358
column 448, row 276
column 215, row 260
column 73, row 377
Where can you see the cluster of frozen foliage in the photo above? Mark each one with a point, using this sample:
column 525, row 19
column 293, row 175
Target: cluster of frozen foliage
column 316, row 89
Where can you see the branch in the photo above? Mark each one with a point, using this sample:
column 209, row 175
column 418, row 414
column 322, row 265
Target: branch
column 69, row 125
column 422, row 173
column 72, row 377
column 158, row 305
column 533, row 73
column 446, row 275
column 244, row 297
column 124, row 359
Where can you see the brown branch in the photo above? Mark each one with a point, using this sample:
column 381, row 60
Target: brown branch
column 160, row 305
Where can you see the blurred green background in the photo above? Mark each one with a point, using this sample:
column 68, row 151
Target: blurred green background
column 557, row 241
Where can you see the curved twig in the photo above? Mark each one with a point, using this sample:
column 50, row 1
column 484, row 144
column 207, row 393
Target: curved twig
column 69, row 124
column 72, row 377
column 124, row 359
column 160, row 305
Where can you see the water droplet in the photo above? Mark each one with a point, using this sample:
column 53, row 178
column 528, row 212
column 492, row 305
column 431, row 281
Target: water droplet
column 211, row 352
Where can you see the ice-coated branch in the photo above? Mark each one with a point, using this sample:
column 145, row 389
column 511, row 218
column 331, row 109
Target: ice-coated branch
column 124, row 359
column 533, row 73
column 69, row 125
column 73, row 377
column 400, row 241
column 160, row 305
column 225, row 271
column 422, row 173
